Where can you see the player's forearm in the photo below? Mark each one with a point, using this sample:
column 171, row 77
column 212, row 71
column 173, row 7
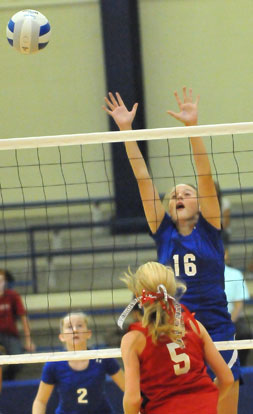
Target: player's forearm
column 200, row 156
column 223, row 391
column 26, row 327
column 131, row 405
column 224, row 386
column 153, row 207
column 238, row 306
column 136, row 160
column 38, row 407
column 226, row 219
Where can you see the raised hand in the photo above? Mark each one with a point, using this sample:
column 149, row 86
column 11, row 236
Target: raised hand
column 118, row 111
column 188, row 109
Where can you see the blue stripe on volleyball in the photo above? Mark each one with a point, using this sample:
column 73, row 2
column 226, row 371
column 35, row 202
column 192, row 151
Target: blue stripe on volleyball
column 44, row 29
column 10, row 41
column 11, row 25
column 42, row 45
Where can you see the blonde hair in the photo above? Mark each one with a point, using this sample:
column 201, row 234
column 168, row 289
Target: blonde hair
column 68, row 315
column 158, row 320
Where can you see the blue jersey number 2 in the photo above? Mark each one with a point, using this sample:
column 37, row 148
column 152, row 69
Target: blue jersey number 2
column 83, row 393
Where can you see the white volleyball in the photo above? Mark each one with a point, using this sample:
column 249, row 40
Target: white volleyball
column 28, row 31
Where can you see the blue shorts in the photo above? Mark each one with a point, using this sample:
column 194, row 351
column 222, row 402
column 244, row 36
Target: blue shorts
column 230, row 357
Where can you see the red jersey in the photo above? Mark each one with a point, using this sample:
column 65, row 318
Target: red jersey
column 11, row 306
column 174, row 380
column 134, row 326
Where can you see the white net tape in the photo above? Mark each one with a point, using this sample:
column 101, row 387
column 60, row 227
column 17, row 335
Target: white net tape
column 99, row 354
column 122, row 136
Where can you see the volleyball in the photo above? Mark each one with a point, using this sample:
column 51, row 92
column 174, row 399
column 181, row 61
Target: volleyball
column 28, row 31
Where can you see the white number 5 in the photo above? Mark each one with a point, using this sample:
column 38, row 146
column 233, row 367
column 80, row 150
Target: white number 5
column 81, row 398
column 178, row 358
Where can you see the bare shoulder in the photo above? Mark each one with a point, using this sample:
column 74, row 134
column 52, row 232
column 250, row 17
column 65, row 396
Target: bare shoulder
column 132, row 337
column 201, row 327
column 133, row 340
column 196, row 327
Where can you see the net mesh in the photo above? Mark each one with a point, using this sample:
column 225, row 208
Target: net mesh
column 57, row 205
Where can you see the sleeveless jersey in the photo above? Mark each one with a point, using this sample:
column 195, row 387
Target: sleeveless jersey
column 173, row 379
column 80, row 392
column 198, row 260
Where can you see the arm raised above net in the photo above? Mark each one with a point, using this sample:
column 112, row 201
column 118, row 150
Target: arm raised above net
column 188, row 115
column 153, row 207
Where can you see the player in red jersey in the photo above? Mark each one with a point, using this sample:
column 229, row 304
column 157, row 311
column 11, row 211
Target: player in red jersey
column 164, row 359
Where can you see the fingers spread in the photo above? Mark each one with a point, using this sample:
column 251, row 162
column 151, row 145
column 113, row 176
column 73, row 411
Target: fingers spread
column 177, row 99
column 120, row 100
column 134, row 108
column 106, row 110
column 108, row 102
column 113, row 99
column 174, row 114
column 184, row 93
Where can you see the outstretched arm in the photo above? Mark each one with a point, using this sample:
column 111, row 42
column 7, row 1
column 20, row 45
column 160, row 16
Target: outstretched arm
column 209, row 205
column 153, row 207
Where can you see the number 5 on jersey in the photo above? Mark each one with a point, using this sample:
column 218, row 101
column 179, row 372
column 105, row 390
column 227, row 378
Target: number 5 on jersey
column 182, row 361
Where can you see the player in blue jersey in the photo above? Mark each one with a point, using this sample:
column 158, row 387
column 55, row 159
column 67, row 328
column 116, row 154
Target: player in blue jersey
column 187, row 231
column 80, row 384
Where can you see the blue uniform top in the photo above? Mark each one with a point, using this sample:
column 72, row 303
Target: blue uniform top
column 198, row 259
column 80, row 392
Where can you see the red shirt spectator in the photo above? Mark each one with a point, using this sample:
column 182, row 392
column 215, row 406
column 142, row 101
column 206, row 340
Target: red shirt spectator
column 11, row 307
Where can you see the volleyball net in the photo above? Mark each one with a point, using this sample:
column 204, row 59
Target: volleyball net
column 57, row 199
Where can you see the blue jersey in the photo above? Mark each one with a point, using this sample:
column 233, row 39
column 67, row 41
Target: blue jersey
column 80, row 392
column 198, row 259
